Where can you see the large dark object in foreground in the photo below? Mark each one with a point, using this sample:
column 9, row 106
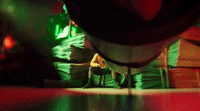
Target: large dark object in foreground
column 123, row 36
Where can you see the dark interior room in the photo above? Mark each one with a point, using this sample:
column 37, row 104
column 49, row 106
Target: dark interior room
column 99, row 55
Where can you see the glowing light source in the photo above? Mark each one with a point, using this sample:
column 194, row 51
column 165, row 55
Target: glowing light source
column 64, row 8
column 64, row 33
column 57, row 30
column 8, row 42
column 10, row 9
column 73, row 31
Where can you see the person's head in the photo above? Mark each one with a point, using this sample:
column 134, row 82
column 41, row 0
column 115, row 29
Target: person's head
column 132, row 32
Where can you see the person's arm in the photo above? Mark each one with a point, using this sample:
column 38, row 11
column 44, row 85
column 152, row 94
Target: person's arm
column 93, row 62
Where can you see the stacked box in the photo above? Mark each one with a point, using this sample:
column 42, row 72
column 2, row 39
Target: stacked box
column 149, row 78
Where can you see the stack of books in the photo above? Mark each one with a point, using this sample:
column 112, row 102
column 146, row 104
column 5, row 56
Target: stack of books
column 149, row 78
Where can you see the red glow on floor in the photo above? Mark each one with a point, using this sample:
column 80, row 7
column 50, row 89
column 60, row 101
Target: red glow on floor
column 14, row 97
column 150, row 99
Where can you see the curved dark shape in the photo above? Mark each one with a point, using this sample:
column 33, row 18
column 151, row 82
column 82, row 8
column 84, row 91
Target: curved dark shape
column 106, row 20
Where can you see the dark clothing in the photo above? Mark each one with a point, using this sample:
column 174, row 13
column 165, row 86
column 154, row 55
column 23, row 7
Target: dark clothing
column 99, row 71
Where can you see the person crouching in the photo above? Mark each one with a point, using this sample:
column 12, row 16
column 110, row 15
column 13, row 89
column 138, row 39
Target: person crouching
column 98, row 66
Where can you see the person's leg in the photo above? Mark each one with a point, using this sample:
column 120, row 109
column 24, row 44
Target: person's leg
column 90, row 75
column 114, row 80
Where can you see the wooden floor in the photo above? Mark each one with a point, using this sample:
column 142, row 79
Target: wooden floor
column 98, row 99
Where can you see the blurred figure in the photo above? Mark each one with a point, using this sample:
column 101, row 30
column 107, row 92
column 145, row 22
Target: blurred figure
column 99, row 67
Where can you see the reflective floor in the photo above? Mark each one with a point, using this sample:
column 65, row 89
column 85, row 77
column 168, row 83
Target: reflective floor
column 98, row 99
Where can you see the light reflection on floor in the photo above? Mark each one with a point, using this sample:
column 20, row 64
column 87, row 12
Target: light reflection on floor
column 124, row 91
column 98, row 99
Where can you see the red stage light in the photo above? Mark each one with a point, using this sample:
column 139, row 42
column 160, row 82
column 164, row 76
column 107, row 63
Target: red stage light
column 8, row 42
column 70, row 22
column 73, row 22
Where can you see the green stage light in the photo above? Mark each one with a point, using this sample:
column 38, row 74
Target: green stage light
column 60, row 31
column 64, row 8
column 63, row 33
column 10, row 9
column 74, row 31
column 57, row 30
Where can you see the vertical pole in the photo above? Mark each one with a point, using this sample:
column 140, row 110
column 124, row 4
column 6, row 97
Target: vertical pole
column 129, row 98
column 162, row 78
column 197, row 74
column 129, row 81
column 167, row 79
column 166, row 68
column 70, row 29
